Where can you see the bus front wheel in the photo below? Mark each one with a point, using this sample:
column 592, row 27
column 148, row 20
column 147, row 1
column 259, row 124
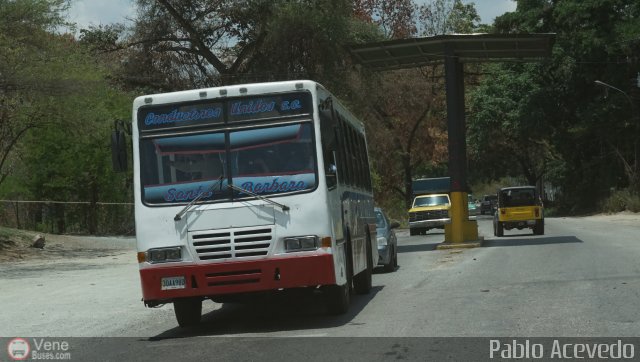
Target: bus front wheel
column 362, row 281
column 338, row 297
column 188, row 311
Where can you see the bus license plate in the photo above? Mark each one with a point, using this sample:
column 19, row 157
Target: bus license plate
column 173, row 283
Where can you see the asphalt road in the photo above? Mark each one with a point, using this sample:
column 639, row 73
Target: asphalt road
column 582, row 278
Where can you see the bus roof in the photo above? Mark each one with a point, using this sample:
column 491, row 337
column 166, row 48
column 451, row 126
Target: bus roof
column 236, row 90
column 241, row 90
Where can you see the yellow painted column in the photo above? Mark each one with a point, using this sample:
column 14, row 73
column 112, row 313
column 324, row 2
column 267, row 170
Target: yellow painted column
column 461, row 229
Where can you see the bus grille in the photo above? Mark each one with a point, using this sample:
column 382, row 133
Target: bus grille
column 231, row 243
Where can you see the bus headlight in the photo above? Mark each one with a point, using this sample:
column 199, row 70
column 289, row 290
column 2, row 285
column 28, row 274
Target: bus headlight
column 301, row 243
column 382, row 241
column 163, row 255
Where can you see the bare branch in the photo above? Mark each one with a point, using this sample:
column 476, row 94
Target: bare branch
column 195, row 39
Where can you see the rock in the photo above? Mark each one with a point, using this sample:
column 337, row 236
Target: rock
column 38, row 242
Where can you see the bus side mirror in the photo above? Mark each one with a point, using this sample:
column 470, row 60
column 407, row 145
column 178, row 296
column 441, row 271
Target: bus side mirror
column 331, row 176
column 394, row 225
column 118, row 151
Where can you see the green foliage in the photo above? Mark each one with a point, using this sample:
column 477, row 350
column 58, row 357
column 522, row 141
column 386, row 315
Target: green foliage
column 314, row 32
column 102, row 38
column 621, row 200
column 57, row 111
column 8, row 234
column 549, row 120
column 178, row 45
column 29, row 65
column 507, row 132
column 480, row 189
column 440, row 17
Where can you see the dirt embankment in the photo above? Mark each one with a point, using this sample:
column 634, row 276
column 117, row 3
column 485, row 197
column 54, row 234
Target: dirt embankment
column 16, row 246
column 624, row 218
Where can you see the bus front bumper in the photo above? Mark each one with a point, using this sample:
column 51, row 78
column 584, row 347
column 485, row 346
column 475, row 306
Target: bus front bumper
column 236, row 277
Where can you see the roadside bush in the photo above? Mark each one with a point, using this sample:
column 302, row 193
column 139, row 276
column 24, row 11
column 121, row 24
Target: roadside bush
column 621, row 200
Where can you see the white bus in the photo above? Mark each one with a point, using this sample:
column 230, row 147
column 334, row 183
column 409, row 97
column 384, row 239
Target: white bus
column 250, row 188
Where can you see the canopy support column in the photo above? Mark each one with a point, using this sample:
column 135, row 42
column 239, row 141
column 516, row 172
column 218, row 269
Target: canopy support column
column 461, row 230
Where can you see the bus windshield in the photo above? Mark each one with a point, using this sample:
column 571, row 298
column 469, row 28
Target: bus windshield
column 266, row 161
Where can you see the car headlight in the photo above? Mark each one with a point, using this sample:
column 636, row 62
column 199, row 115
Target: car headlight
column 382, row 241
column 301, row 243
column 163, row 255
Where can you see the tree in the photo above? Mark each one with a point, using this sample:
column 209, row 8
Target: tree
column 448, row 16
column 56, row 109
column 197, row 43
column 406, row 125
column 507, row 132
column 27, row 70
column 591, row 139
column 405, row 109
column 396, row 19
column 308, row 39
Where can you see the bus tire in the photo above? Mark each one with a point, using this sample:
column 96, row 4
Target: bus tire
column 188, row 311
column 362, row 282
column 338, row 297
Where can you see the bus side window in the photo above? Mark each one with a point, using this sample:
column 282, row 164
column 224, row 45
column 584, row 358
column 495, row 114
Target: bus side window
column 360, row 160
column 344, row 176
column 367, row 170
column 353, row 158
column 328, row 137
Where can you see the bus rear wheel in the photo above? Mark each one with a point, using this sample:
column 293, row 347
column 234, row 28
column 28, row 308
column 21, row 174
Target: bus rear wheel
column 188, row 311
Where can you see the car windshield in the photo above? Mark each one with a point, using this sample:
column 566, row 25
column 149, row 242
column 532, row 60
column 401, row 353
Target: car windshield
column 265, row 161
column 431, row 200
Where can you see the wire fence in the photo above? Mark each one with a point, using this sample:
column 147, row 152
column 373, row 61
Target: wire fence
column 60, row 217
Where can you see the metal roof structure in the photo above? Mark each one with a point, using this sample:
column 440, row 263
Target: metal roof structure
column 416, row 52
column 454, row 51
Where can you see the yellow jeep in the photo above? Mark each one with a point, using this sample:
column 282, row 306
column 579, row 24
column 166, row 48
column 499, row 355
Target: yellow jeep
column 518, row 207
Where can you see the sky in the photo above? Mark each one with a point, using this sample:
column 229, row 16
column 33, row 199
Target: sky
column 102, row 12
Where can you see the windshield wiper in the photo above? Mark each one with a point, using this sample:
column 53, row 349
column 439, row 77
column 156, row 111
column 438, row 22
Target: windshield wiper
column 284, row 207
column 180, row 214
